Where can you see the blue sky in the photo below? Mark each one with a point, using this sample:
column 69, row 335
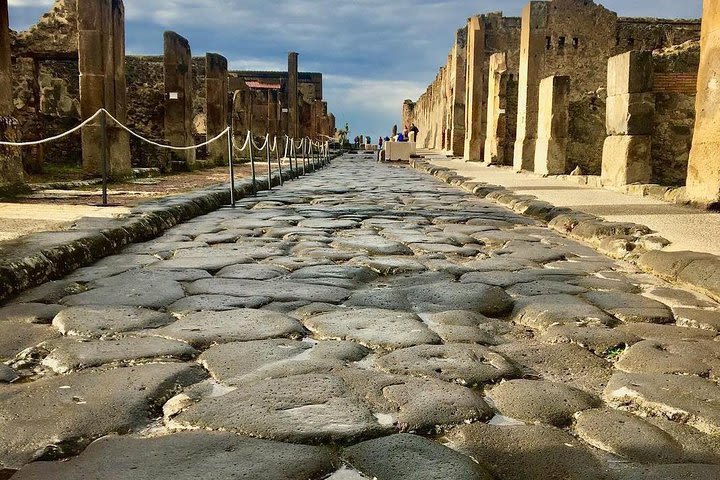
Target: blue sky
column 373, row 53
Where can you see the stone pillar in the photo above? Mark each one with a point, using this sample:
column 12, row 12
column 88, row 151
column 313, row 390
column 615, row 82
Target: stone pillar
column 629, row 120
column 532, row 42
column 293, row 101
column 216, row 96
column 241, row 117
column 553, row 121
column 101, row 60
column 498, row 144
column 179, row 97
column 11, row 171
column 475, row 90
column 457, row 102
column 703, row 182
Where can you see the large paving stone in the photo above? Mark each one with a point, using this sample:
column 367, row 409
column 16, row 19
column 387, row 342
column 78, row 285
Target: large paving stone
column 335, row 275
column 16, row 336
column 681, row 357
column 7, row 374
column 540, row 401
column 631, row 308
column 110, row 266
column 696, row 318
column 278, row 290
column 210, row 259
column 328, row 224
column 29, row 312
column 665, row 333
column 97, row 322
column 531, row 452
column 311, row 409
column 57, row 417
column 681, row 471
column 409, row 457
column 691, row 400
column 544, row 311
column 203, row 329
column 374, row 328
column 562, row 363
column 150, row 291
column 189, row 456
column 252, row 271
column 68, row 355
column 459, row 363
column 544, row 287
column 371, row 244
column 216, row 303
column 390, row 265
column 628, row 436
column 506, row 279
column 697, row 446
column 600, row 340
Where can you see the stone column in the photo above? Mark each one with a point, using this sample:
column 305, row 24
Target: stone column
column 457, row 103
column 241, row 117
column 553, row 121
column 11, row 171
column 216, row 97
column 629, row 120
column 293, row 101
column 179, row 97
column 703, row 182
column 475, row 90
column 532, row 42
column 101, row 60
column 498, row 140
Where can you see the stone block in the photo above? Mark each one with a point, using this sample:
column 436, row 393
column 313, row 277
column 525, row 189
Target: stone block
column 553, row 116
column 630, row 114
column 626, row 160
column 92, row 61
column 551, row 156
column 631, row 72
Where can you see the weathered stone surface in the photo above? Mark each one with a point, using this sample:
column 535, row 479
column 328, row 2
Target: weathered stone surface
column 29, row 312
column 696, row 318
column 252, row 271
column 231, row 360
column 662, row 333
column 371, row 244
column 279, row 290
column 7, row 374
column 679, row 357
column 146, row 292
column 690, row 400
column 630, row 114
column 683, row 471
column 72, row 355
column 374, row 328
column 409, row 457
column 96, row 322
column 69, row 412
column 599, row 340
column 390, row 265
column 528, row 452
column 206, row 328
column 310, row 409
column 631, row 308
column 627, row 436
column 540, row 401
column 697, row 446
column 17, row 336
column 216, row 303
column 626, row 160
column 188, row 456
column 464, row 364
column 544, row 311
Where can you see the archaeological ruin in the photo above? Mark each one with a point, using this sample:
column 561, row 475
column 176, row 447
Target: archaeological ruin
column 630, row 113
column 70, row 64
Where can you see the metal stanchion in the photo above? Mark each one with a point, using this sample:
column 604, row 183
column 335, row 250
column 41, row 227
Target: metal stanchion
column 103, row 157
column 279, row 161
column 231, row 162
column 269, row 165
column 252, row 164
column 304, row 157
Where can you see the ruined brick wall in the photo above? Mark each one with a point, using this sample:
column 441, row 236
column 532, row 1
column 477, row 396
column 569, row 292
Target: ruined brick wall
column 675, row 86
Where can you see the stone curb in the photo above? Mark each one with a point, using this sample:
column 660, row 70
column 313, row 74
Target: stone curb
column 624, row 241
column 35, row 259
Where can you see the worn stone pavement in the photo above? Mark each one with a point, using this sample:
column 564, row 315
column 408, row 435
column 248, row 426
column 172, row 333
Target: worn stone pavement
column 366, row 321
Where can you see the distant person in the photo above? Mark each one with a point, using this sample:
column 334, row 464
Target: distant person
column 380, row 142
column 415, row 130
column 406, row 132
column 387, row 139
column 401, row 138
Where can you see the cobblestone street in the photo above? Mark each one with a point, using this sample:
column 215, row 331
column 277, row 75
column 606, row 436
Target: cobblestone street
column 365, row 321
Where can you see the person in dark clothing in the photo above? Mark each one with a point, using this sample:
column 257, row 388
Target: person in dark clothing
column 414, row 129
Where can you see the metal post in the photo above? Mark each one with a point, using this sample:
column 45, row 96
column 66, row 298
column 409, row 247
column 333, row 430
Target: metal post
column 103, row 157
column 267, row 149
column 304, row 156
column 231, row 161
column 252, row 165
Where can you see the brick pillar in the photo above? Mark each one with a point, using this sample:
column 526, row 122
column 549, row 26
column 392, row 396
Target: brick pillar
column 101, row 60
column 216, row 96
column 458, row 101
column 179, row 97
column 293, row 101
column 475, row 91
column 703, row 182
column 553, row 121
column 629, row 120
column 500, row 115
column 532, row 43
column 11, row 171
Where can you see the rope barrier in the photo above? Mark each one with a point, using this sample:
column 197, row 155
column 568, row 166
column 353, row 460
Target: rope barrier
column 51, row 139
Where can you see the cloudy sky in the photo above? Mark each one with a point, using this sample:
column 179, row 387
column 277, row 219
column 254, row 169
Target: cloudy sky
column 373, row 53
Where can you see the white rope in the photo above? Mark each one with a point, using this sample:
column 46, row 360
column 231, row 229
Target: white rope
column 247, row 143
column 50, row 139
column 267, row 137
column 287, row 143
column 160, row 145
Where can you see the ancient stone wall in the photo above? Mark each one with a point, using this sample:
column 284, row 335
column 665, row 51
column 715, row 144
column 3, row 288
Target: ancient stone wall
column 11, row 172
